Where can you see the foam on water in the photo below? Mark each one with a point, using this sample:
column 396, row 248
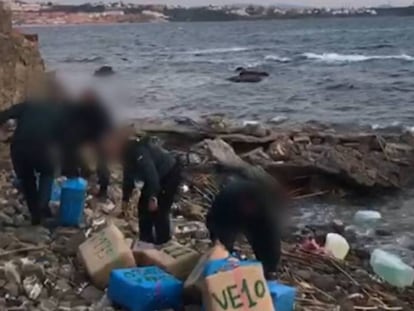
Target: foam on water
column 234, row 49
column 277, row 58
column 349, row 58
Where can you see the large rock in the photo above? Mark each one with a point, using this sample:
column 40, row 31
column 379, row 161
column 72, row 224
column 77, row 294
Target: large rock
column 5, row 19
column 21, row 66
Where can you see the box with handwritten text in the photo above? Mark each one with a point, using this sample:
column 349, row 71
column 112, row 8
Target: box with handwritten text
column 232, row 285
column 103, row 252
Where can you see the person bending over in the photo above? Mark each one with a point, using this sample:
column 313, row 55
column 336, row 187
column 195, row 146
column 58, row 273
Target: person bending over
column 160, row 171
column 246, row 206
column 44, row 133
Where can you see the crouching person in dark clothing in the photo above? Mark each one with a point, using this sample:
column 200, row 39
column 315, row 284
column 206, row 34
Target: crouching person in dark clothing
column 160, row 171
column 246, row 207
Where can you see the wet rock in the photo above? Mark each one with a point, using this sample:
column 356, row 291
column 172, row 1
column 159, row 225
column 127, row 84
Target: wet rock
column 30, row 269
column 245, row 79
column 66, row 271
column 383, row 232
column 6, row 219
column 9, row 210
column 338, row 226
column 32, row 287
column 48, row 305
column 104, row 71
column 33, row 235
column 20, row 221
column 62, row 286
column 12, row 274
column 12, row 288
column 92, row 294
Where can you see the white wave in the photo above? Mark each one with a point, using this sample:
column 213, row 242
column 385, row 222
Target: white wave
column 393, row 124
column 349, row 58
column 278, row 119
column 277, row 58
column 218, row 51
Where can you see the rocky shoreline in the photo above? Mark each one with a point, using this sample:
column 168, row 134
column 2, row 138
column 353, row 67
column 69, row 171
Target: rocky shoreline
column 40, row 271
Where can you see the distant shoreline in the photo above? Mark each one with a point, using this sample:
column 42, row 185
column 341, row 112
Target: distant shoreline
column 89, row 14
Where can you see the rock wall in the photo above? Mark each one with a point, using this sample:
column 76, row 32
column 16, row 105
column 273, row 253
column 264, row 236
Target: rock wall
column 21, row 66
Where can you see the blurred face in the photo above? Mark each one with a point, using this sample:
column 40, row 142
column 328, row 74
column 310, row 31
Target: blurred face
column 114, row 142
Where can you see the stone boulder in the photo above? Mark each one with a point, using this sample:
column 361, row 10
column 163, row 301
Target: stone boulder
column 5, row 19
column 21, row 66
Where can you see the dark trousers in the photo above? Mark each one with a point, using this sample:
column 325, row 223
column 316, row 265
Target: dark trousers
column 104, row 174
column 30, row 162
column 226, row 220
column 159, row 221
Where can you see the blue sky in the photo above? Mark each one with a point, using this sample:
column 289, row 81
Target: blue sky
column 325, row 3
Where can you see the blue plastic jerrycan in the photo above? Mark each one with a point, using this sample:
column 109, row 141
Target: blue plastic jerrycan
column 72, row 201
column 145, row 289
column 283, row 296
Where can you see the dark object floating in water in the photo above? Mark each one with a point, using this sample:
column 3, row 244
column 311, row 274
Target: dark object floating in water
column 248, row 76
column 243, row 71
column 104, row 71
column 246, row 79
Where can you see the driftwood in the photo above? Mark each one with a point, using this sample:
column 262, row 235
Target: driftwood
column 351, row 160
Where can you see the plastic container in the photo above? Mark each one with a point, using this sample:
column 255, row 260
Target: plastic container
column 145, row 289
column 337, row 245
column 392, row 269
column 283, row 296
column 72, row 202
column 367, row 218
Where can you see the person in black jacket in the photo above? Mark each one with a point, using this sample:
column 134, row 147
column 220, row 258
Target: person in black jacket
column 88, row 125
column 247, row 205
column 160, row 171
column 44, row 133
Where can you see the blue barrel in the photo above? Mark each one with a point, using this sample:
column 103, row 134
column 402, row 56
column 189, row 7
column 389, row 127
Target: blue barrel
column 72, row 202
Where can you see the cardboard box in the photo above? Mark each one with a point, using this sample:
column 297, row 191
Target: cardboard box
column 193, row 284
column 103, row 252
column 172, row 257
column 138, row 247
column 241, row 288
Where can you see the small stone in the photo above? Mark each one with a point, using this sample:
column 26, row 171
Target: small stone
column 29, row 235
column 63, row 286
column 66, row 271
column 9, row 210
column 30, row 268
column 12, row 288
column 12, row 274
column 338, row 226
column 19, row 220
column 32, row 287
column 48, row 305
column 383, row 232
column 92, row 294
column 6, row 219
